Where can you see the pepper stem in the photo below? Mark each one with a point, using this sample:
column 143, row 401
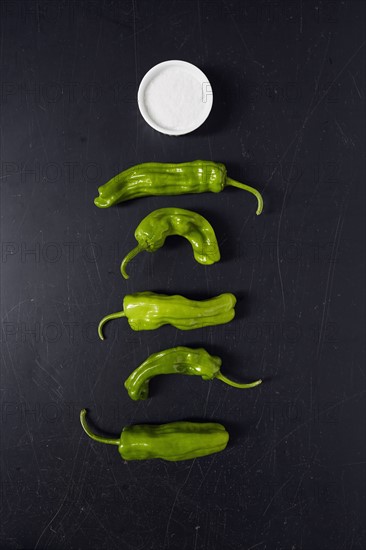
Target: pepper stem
column 223, row 378
column 99, row 438
column 130, row 256
column 256, row 193
column 107, row 318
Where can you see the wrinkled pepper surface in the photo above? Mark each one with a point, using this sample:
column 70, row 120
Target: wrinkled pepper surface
column 160, row 224
column 179, row 360
column 174, row 441
column 158, row 178
column 149, row 311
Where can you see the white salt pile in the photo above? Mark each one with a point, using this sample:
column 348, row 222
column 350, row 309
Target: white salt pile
column 175, row 99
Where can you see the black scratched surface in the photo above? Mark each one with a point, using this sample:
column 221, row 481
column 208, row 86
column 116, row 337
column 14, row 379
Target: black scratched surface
column 288, row 117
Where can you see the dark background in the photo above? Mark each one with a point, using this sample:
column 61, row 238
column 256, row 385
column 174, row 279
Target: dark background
column 288, row 117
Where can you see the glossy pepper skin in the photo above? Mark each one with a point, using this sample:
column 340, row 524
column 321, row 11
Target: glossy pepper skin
column 160, row 224
column 148, row 311
column 159, row 178
column 174, row 441
column 179, row 360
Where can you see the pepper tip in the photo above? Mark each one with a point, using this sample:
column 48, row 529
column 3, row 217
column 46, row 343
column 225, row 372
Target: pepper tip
column 259, row 209
column 100, row 202
column 124, row 273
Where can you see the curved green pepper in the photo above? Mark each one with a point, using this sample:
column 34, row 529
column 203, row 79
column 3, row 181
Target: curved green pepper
column 173, row 441
column 148, row 311
column 159, row 178
column 179, row 360
column 159, row 224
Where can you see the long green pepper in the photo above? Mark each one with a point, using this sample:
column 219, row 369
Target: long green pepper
column 149, row 311
column 179, row 360
column 159, row 178
column 174, row 441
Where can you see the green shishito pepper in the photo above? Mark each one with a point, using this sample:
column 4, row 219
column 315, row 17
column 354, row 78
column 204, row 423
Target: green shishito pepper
column 159, row 224
column 174, row 441
column 179, row 360
column 148, row 311
column 158, row 178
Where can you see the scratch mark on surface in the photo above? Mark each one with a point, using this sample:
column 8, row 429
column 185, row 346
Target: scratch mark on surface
column 91, row 104
column 329, row 284
column 297, row 148
column 338, row 75
column 69, row 486
column 256, row 545
column 206, row 474
column 95, row 260
column 237, row 28
column 354, row 82
column 278, row 248
column 174, row 503
column 312, row 111
column 47, row 373
column 136, row 72
column 346, row 139
column 310, row 419
column 276, row 493
column 6, row 314
column 207, row 399
column 301, row 17
column 200, row 29
column 242, row 38
column 20, row 393
column 41, row 136
column 218, row 481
